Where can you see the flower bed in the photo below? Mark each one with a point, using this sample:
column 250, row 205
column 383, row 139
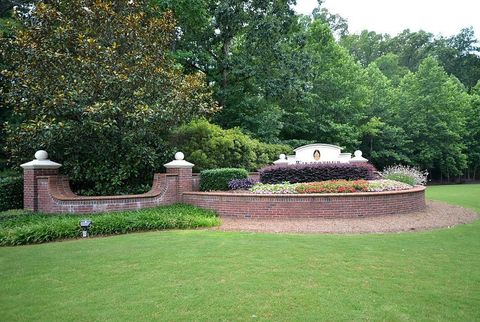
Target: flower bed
column 329, row 186
column 333, row 186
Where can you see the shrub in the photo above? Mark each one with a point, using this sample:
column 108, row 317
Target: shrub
column 11, row 193
column 333, row 186
column 317, row 172
column 241, row 184
column 208, row 146
column 284, row 187
column 387, row 185
column 406, row 174
column 32, row 228
column 218, row 179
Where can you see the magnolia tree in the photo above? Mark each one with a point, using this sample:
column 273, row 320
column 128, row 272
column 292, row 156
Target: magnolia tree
column 94, row 83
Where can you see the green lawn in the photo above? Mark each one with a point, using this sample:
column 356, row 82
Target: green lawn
column 213, row 276
column 466, row 195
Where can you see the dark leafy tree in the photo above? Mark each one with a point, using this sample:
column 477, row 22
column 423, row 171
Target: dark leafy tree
column 94, row 83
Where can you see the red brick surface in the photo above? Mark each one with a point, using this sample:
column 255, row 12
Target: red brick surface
column 30, row 186
column 309, row 206
column 54, row 196
column 46, row 191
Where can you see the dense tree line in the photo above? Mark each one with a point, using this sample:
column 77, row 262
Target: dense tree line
column 278, row 76
column 288, row 78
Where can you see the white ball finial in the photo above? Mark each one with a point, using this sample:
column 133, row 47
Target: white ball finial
column 358, row 153
column 282, row 156
column 41, row 155
column 179, row 156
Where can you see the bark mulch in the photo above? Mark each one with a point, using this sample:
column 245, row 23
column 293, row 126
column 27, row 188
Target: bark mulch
column 436, row 215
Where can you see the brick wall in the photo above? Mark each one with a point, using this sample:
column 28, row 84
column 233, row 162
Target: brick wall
column 46, row 191
column 54, row 196
column 314, row 205
column 30, row 186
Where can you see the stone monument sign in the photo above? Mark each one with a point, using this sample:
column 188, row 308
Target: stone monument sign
column 320, row 152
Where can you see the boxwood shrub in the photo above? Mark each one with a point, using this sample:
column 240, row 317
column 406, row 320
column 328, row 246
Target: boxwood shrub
column 11, row 193
column 317, row 172
column 218, row 179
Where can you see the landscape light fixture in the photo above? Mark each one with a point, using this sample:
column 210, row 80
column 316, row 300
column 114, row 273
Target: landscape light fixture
column 85, row 224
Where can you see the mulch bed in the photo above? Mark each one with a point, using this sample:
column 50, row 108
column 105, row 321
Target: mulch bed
column 437, row 215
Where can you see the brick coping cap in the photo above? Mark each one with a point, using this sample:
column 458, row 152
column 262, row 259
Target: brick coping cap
column 303, row 195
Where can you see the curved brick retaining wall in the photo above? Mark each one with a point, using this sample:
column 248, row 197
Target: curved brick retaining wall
column 47, row 191
column 309, row 205
column 55, row 196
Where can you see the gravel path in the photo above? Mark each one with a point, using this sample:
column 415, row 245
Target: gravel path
column 437, row 215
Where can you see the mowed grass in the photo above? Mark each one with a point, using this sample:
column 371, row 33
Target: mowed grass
column 220, row 276
column 466, row 195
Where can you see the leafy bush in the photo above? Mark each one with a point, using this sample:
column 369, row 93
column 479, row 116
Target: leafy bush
column 333, row 186
column 11, row 193
column 405, row 174
column 32, row 228
column 208, row 146
column 279, row 188
column 241, row 184
column 105, row 111
column 218, row 179
column 317, row 172
column 387, row 185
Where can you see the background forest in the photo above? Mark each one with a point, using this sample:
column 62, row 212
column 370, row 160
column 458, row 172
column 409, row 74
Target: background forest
column 120, row 85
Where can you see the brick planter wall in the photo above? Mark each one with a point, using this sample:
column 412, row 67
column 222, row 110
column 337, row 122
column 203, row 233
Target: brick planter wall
column 309, row 205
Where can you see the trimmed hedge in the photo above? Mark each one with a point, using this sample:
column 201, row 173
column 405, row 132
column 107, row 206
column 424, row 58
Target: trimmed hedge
column 11, row 193
column 20, row 227
column 218, row 179
column 317, row 172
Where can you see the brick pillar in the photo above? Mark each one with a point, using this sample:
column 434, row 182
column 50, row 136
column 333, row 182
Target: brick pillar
column 183, row 170
column 41, row 166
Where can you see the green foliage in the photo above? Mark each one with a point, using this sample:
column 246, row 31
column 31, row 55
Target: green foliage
column 236, row 44
column 405, row 174
column 208, row 146
column 97, row 87
column 457, row 54
column 34, row 228
column 390, row 66
column 11, row 193
column 331, row 98
column 400, row 177
column 472, row 137
column 432, row 112
column 103, row 100
column 218, row 179
column 383, row 141
column 365, row 47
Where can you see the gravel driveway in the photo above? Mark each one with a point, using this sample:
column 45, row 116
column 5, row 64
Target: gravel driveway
column 437, row 215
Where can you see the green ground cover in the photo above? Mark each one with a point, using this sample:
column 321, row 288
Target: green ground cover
column 20, row 227
column 226, row 276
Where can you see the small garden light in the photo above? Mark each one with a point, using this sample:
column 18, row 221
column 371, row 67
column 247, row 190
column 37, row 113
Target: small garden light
column 85, row 224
